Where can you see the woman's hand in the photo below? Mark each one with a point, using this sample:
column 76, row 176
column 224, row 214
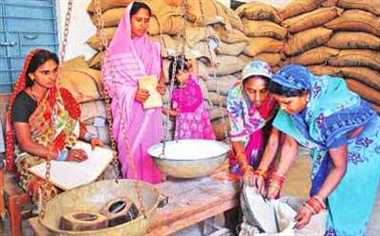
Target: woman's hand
column 77, row 155
column 273, row 192
column 141, row 95
column 248, row 177
column 259, row 182
column 96, row 142
column 161, row 87
column 303, row 217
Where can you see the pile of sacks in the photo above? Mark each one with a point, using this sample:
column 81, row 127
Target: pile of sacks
column 85, row 85
column 337, row 37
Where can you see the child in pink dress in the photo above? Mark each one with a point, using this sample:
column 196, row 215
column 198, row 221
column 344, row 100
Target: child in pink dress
column 189, row 108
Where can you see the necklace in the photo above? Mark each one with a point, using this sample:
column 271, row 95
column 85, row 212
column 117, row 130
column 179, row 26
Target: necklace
column 34, row 96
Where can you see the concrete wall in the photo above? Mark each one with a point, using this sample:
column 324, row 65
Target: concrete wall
column 81, row 28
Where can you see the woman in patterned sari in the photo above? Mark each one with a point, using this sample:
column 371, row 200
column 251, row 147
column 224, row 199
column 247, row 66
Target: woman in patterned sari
column 250, row 109
column 344, row 134
column 44, row 119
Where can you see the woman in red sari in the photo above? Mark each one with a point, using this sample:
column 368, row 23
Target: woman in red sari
column 44, row 119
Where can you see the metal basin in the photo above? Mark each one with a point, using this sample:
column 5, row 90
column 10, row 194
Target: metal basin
column 94, row 196
column 189, row 158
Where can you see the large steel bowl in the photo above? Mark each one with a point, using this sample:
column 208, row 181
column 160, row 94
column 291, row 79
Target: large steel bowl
column 189, row 158
column 93, row 197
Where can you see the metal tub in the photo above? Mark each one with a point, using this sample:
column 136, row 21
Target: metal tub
column 189, row 158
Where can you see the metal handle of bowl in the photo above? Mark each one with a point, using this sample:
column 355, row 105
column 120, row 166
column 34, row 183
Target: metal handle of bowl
column 163, row 200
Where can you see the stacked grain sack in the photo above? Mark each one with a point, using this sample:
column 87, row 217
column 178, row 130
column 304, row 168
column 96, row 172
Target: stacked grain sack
column 85, row 85
column 340, row 37
column 266, row 35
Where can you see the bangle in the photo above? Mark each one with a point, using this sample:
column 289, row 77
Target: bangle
column 89, row 136
column 320, row 200
column 62, row 155
column 277, row 180
column 246, row 168
column 262, row 173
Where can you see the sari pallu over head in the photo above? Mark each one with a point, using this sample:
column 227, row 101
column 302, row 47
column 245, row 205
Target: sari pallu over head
column 246, row 119
column 54, row 123
column 125, row 61
column 332, row 111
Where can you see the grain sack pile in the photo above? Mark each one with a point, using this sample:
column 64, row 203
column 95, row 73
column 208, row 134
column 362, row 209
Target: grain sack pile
column 337, row 37
column 85, row 85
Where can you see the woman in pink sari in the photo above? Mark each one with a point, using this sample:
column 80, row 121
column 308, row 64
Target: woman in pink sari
column 130, row 56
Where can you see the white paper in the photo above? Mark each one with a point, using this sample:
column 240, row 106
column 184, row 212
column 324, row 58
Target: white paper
column 69, row 174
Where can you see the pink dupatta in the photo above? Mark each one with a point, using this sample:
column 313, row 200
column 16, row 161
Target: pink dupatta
column 134, row 129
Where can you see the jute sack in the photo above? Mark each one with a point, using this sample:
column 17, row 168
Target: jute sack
column 217, row 113
column 170, row 25
column 354, row 40
column 297, row 7
column 174, row 3
column 368, row 5
column 231, row 36
column 314, row 56
column 231, row 49
column 154, row 26
column 258, row 11
column 261, row 45
column 232, row 17
column 222, row 84
column 246, row 59
column 272, row 59
column 167, row 43
column 77, row 62
column 307, row 40
column 200, row 11
column 220, row 127
column 329, row 3
column 95, row 41
column 217, row 99
column 169, row 18
column 365, row 91
column 83, row 83
column 362, row 74
column 311, row 19
column 228, row 65
column 107, row 4
column 265, row 29
column 325, row 70
column 356, row 20
column 357, row 57
column 110, row 17
column 95, row 61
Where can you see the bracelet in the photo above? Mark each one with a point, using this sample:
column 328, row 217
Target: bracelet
column 62, row 155
column 245, row 168
column 315, row 204
column 320, row 200
column 310, row 208
column 277, row 180
column 261, row 172
column 89, row 136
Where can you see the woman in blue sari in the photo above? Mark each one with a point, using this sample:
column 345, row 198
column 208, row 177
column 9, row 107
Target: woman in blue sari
column 343, row 132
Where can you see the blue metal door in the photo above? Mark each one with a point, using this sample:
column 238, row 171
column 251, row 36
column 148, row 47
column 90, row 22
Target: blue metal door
column 24, row 25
